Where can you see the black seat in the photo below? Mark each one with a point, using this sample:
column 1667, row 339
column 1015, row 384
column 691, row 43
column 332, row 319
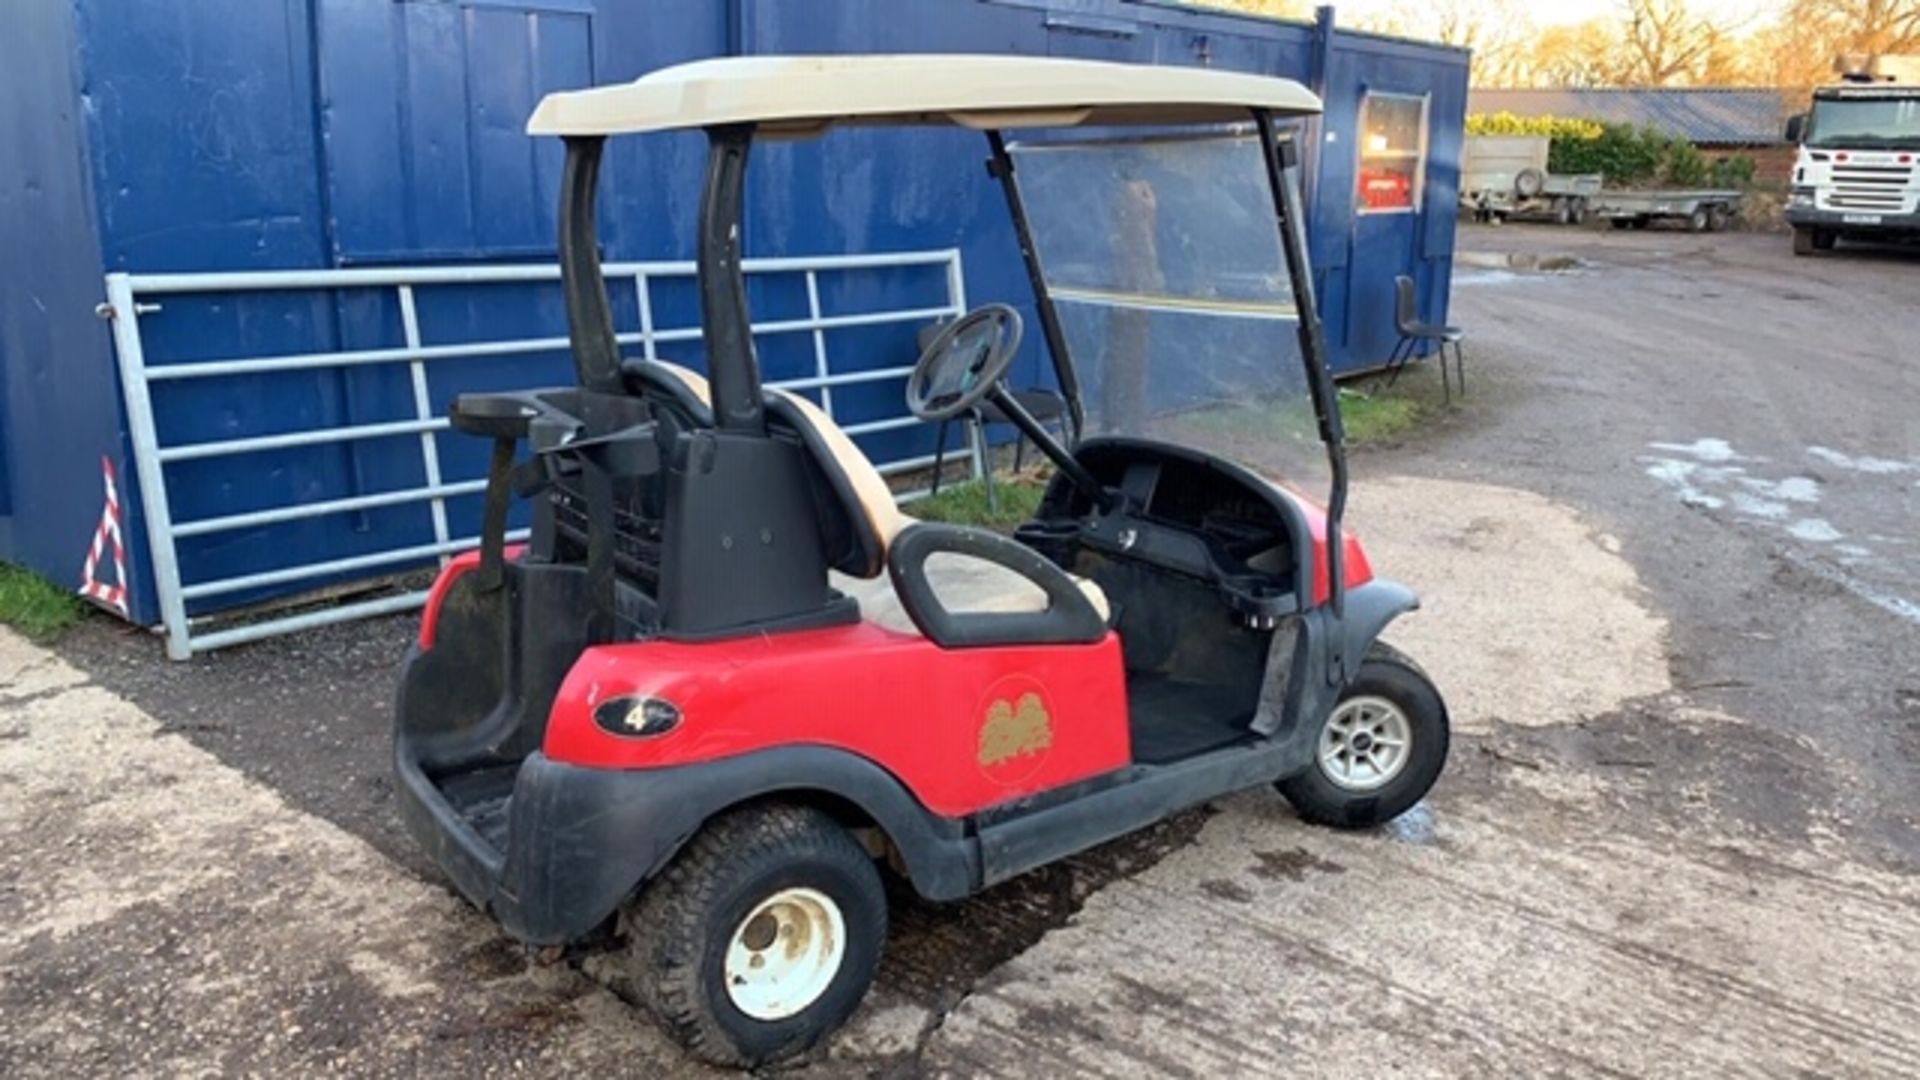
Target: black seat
column 860, row 540
column 856, row 538
column 1415, row 334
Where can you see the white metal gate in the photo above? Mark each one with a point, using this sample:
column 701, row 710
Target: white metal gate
column 130, row 297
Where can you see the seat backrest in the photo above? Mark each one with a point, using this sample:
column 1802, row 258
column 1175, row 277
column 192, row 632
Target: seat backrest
column 684, row 388
column 1405, row 313
column 866, row 502
column 872, row 516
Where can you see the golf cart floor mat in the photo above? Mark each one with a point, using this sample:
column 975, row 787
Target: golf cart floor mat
column 482, row 797
column 1173, row 719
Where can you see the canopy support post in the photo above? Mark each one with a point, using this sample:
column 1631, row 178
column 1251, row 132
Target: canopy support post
column 725, row 325
column 1282, row 158
column 596, row 356
column 1000, row 167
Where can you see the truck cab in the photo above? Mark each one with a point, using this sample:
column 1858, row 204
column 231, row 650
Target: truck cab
column 1857, row 172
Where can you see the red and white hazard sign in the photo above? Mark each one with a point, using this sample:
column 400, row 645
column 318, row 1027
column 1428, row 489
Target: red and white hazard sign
column 91, row 587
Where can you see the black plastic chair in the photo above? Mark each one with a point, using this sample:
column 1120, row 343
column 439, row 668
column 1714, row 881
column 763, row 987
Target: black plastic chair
column 1415, row 334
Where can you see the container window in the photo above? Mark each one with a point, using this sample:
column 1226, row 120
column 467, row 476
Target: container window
column 1393, row 153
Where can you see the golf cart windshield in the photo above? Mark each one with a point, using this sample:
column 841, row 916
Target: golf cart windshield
column 1165, row 265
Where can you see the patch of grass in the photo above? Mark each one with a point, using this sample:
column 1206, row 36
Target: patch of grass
column 1377, row 417
column 35, row 606
column 966, row 503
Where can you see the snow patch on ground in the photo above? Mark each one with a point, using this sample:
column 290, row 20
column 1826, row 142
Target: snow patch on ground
column 1876, row 466
column 1681, row 476
column 1814, row 530
column 1800, row 489
column 1753, row 506
column 1712, row 450
column 1701, row 474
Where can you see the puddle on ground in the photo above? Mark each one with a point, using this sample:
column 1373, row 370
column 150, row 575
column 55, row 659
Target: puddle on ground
column 1414, row 827
column 1517, row 260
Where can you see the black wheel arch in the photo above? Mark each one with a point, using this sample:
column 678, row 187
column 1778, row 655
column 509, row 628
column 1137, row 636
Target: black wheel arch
column 1369, row 610
column 1317, row 684
column 582, row 840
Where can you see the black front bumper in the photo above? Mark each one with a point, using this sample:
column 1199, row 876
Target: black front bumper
column 596, row 834
column 1836, row 220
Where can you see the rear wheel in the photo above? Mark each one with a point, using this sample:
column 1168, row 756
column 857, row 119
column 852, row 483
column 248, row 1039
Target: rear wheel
column 1717, row 219
column 761, row 937
column 1699, row 220
column 1380, row 749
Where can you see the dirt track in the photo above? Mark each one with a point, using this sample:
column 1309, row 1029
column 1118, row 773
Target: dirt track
column 1678, row 835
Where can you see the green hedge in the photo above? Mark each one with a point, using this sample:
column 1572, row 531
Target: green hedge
column 1623, row 153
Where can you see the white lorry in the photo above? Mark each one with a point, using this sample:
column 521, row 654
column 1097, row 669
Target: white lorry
column 1857, row 174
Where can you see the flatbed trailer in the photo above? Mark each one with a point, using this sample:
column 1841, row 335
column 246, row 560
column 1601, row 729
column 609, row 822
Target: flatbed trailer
column 1701, row 210
column 1507, row 176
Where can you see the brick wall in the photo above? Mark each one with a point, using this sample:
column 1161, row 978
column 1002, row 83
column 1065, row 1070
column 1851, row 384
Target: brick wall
column 1772, row 165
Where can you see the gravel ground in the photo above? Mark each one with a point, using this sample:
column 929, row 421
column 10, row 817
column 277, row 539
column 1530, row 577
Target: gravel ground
column 1667, row 552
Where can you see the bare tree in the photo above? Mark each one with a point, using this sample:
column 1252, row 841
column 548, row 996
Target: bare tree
column 1665, row 42
column 1645, row 43
column 1800, row 49
column 1497, row 31
column 1732, row 61
column 1582, row 55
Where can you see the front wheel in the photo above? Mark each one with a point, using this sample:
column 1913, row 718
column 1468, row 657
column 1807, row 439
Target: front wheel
column 1380, row 749
column 761, row 936
column 1808, row 241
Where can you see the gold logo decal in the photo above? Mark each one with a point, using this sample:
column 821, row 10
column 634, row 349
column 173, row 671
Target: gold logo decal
column 1013, row 731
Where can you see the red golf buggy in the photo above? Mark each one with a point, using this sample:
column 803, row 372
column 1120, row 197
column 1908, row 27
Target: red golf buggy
column 726, row 684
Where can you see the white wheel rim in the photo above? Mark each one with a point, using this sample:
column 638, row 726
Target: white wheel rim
column 785, row 953
column 1365, row 743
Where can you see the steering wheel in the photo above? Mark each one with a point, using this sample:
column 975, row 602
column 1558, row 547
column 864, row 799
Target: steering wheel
column 963, row 362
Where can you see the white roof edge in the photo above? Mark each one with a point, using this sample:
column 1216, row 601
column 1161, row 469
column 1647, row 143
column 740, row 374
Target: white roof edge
column 802, row 95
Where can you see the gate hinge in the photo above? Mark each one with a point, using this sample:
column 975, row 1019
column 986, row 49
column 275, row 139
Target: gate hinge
column 104, row 309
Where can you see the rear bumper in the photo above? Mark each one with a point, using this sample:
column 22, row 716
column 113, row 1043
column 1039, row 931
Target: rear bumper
column 597, row 834
column 1810, row 218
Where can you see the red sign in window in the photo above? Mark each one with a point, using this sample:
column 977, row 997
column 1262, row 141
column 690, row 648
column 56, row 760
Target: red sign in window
column 1385, row 189
column 1393, row 146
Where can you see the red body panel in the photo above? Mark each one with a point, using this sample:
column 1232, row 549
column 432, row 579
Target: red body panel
column 964, row 729
column 1356, row 569
column 459, row 564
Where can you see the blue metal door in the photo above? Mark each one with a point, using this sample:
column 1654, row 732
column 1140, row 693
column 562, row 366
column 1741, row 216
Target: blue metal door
column 1388, row 176
column 1389, row 184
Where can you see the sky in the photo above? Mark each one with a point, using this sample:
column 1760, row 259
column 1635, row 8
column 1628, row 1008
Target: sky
column 1557, row 12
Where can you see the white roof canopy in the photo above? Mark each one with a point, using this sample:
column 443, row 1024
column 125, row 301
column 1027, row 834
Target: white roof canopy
column 798, row 96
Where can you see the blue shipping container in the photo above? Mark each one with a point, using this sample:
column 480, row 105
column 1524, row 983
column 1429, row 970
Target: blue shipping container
column 300, row 134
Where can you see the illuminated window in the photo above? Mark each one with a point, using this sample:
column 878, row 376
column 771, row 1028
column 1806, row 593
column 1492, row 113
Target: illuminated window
column 1393, row 153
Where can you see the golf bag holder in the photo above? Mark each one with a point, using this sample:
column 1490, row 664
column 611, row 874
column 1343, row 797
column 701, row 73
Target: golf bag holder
column 581, row 438
column 689, row 532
